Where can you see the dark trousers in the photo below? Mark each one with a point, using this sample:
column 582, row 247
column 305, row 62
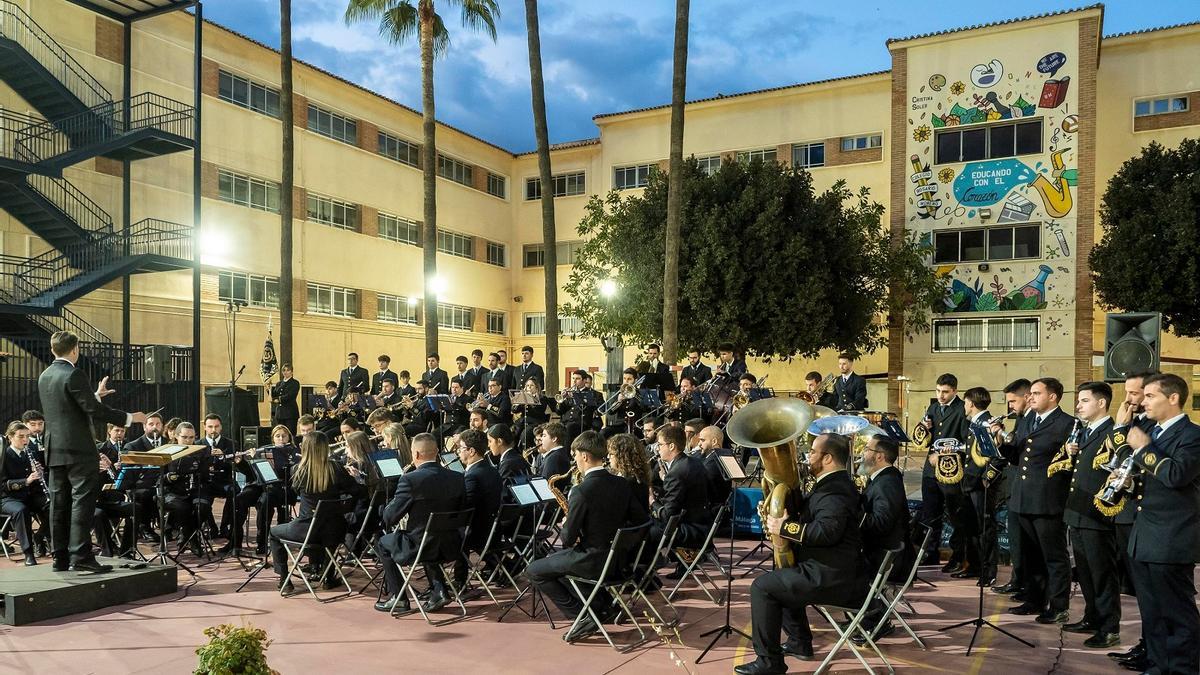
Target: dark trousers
column 237, row 510
column 1096, row 564
column 983, row 503
column 73, row 492
column 778, row 600
column 1170, row 622
column 1125, row 563
column 22, row 519
column 961, row 512
column 1047, row 565
column 933, row 506
column 294, row 530
column 184, row 512
column 548, row 575
column 399, row 548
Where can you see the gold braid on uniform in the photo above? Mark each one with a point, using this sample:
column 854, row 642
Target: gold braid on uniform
column 1106, row 510
column 949, row 468
column 980, row 460
column 1062, row 462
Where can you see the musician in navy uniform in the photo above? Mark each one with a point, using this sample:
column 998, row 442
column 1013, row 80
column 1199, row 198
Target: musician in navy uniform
column 849, row 388
column 812, row 381
column 981, row 484
column 384, row 374
column 1165, row 542
column 353, row 378
column 695, row 369
column 1093, row 535
column 658, row 374
column 22, row 492
column 885, row 519
column 284, row 394
column 945, row 418
column 1016, row 401
column 728, row 364
column 530, row 370
column 436, row 379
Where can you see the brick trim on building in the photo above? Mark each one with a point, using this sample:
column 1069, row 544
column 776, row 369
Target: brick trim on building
column 895, row 211
column 110, row 40
column 1189, row 117
column 299, row 295
column 299, row 203
column 1085, row 198
column 368, row 136
column 210, row 77
column 368, row 220
column 368, row 305
column 209, row 185
column 835, row 156
column 299, row 111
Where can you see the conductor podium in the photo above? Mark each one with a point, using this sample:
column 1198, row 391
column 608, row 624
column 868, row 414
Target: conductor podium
column 29, row 594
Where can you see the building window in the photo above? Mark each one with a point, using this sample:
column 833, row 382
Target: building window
column 534, row 255
column 763, row 155
column 862, row 142
column 495, row 323
column 1160, row 106
column 626, row 177
column 332, row 300
column 329, row 211
column 456, row 244
column 565, row 185
column 989, row 142
column 397, row 309
column 535, row 324
column 333, row 125
column 403, row 230
column 399, row 149
column 993, row 243
column 247, row 94
column 808, row 155
column 496, row 185
column 455, row 170
column 1018, row 334
column 709, row 165
column 248, row 191
column 455, row 316
column 253, row 289
column 495, row 254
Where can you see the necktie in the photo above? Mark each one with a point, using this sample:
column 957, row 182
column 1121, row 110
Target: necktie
column 1156, row 433
column 1037, row 422
column 1084, row 436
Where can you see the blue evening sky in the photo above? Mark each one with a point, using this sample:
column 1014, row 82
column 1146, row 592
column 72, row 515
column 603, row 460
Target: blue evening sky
column 615, row 55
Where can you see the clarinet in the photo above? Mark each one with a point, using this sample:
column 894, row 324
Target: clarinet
column 40, row 471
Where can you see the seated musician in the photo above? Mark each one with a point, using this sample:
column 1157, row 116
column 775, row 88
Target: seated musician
column 825, row 538
column 688, row 402
column 380, row 418
column 504, row 456
column 599, row 506
column 362, row 468
column 388, row 396
column 684, row 491
column 420, row 416
column 577, row 407
column 627, row 459
column 237, row 510
column 305, row 425
column 746, row 384
column 153, row 436
column 277, row 498
column 221, row 482
column 23, row 493
column 885, row 518
column 496, row 403
column 327, row 421
column 812, row 382
column 186, row 498
column 395, row 444
column 315, row 478
column 531, row 415
column 484, row 493
column 555, row 459
column 691, row 435
column 711, row 448
column 113, row 505
column 458, row 417
column 624, row 411
column 428, row 488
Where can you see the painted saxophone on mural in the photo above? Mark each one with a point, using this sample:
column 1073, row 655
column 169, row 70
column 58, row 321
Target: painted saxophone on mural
column 1056, row 193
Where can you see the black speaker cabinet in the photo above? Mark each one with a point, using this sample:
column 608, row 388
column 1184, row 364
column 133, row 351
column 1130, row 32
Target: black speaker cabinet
column 157, row 365
column 1131, row 344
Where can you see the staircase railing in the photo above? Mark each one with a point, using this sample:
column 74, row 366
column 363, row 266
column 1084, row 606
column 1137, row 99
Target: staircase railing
column 68, row 199
column 153, row 236
column 66, row 320
column 104, row 122
column 19, row 27
column 12, row 125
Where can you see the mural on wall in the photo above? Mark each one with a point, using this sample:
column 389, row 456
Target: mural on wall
column 970, row 295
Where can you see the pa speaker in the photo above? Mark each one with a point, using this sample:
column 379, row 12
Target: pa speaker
column 156, row 361
column 1131, row 344
column 242, row 411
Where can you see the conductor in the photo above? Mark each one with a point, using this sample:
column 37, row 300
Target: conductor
column 71, row 409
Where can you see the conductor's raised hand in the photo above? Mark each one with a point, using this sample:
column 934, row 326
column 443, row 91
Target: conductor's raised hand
column 102, row 389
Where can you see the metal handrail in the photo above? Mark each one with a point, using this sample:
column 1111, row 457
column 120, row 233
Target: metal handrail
column 69, row 200
column 161, row 237
column 104, row 122
column 19, row 27
column 12, row 124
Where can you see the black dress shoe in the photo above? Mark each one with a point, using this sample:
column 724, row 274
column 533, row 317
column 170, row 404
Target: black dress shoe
column 1136, row 650
column 30, row 559
column 1138, row 664
column 677, row 573
column 952, row 567
column 1101, row 640
column 90, row 566
column 61, row 564
column 285, row 586
column 965, row 574
column 761, row 666
column 1020, row 596
column 391, row 602
column 42, row 549
column 798, row 649
column 1006, row 589
column 1080, row 627
column 884, row 631
column 585, row 628
column 437, row 600
column 1050, row 616
column 1025, row 609
column 986, row 581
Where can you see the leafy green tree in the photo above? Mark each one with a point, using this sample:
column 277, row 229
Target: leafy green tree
column 399, row 21
column 765, row 262
column 1150, row 216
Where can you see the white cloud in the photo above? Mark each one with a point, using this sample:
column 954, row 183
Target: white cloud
column 338, row 36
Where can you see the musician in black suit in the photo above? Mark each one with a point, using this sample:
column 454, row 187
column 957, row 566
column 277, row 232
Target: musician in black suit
column 497, row 404
column 510, row 371
column 353, row 378
column 284, row 396
column 462, row 376
column 885, row 518
column 945, row 418
column 812, row 383
column 695, row 369
column 849, row 388
column 981, row 484
column 687, row 404
column 436, row 379
column 71, row 409
column 474, row 376
column 22, row 492
column 684, row 491
column 578, row 406
column 221, row 482
column 496, row 372
column 711, row 446
column 183, row 484
column 728, row 363
column 420, row 416
column 1093, row 535
column 1016, row 401
column 458, row 417
column 428, row 488
column 483, row 492
column 658, row 374
column 556, row 459
column 113, row 505
column 1165, row 542
column 384, row 374
column 599, row 506
column 530, row 370
column 622, row 410
column 508, row 460
column 1038, row 497
column 823, row 529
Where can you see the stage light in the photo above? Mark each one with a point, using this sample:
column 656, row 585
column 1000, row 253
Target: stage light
column 438, row 284
column 214, row 246
column 412, row 302
column 608, row 288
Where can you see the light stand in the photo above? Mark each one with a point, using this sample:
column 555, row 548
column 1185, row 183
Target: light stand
column 232, row 308
column 726, row 629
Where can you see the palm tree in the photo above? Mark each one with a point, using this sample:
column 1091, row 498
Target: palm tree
column 549, row 238
column 670, row 331
column 285, row 183
column 399, row 21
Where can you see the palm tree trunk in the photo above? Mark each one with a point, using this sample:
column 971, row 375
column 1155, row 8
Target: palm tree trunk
column 549, row 237
column 285, row 183
column 670, row 331
column 429, row 175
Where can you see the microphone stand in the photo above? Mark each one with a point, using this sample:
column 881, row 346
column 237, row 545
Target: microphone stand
column 726, row 629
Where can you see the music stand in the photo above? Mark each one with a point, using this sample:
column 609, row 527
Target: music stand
column 893, row 429
column 264, row 470
column 528, row 496
column 128, row 480
column 732, row 471
column 440, row 405
column 161, row 498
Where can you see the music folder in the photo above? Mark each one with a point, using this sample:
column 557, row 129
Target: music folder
column 389, row 467
column 265, row 470
column 438, row 403
column 524, row 494
column 542, row 487
column 131, row 477
column 730, row 467
column 987, row 446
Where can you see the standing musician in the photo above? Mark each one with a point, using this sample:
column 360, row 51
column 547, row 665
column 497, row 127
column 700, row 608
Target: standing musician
column 436, row 379
column 1016, row 400
column 529, row 370
column 658, row 374
column 849, row 388
column 459, row 417
column 555, row 460
column 599, row 506
column 695, row 370
column 384, row 374
column 577, row 406
column 945, row 418
column 885, row 519
column 1093, row 535
column 495, row 372
column 1038, row 498
column 315, row 478
column 727, row 364
column 23, row 492
column 812, row 384
column 483, row 492
column 507, row 459
column 531, row 415
column 186, row 496
column 284, row 394
column 982, row 484
column 627, row 459
column 959, row 509
column 510, row 371
column 404, row 388
column 1165, row 542
column 823, row 529
column 623, row 409
column 353, row 378
column 473, row 378
column 684, row 491
column 428, row 488
column 463, row 376
column 496, row 403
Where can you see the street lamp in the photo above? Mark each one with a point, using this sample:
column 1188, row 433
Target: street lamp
column 608, row 288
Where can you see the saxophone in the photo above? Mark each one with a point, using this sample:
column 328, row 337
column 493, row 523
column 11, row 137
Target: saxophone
column 573, row 474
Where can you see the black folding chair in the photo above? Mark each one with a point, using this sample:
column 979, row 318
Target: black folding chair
column 326, row 511
column 496, row 550
column 706, row 553
column 649, row 572
column 360, row 542
column 440, row 523
column 617, row 575
column 855, row 624
column 893, row 595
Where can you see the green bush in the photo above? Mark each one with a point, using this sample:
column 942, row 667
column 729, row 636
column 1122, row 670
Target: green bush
column 234, row 649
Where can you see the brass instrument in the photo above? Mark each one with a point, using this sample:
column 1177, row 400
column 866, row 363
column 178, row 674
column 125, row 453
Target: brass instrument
column 565, row 394
column 573, row 474
column 773, row 425
column 822, row 388
column 1111, row 498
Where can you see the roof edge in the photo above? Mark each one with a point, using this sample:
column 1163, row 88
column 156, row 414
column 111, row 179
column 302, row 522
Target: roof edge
column 1005, row 22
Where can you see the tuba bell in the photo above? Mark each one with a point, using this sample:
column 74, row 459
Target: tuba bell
column 773, row 425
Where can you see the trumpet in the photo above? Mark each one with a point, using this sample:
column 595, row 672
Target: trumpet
column 565, row 394
column 1114, row 493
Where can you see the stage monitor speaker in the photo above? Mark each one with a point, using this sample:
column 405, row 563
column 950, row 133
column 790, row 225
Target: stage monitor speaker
column 245, row 405
column 248, row 437
column 1131, row 344
column 157, row 364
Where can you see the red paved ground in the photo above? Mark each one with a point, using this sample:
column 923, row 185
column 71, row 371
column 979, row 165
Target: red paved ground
column 348, row 636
